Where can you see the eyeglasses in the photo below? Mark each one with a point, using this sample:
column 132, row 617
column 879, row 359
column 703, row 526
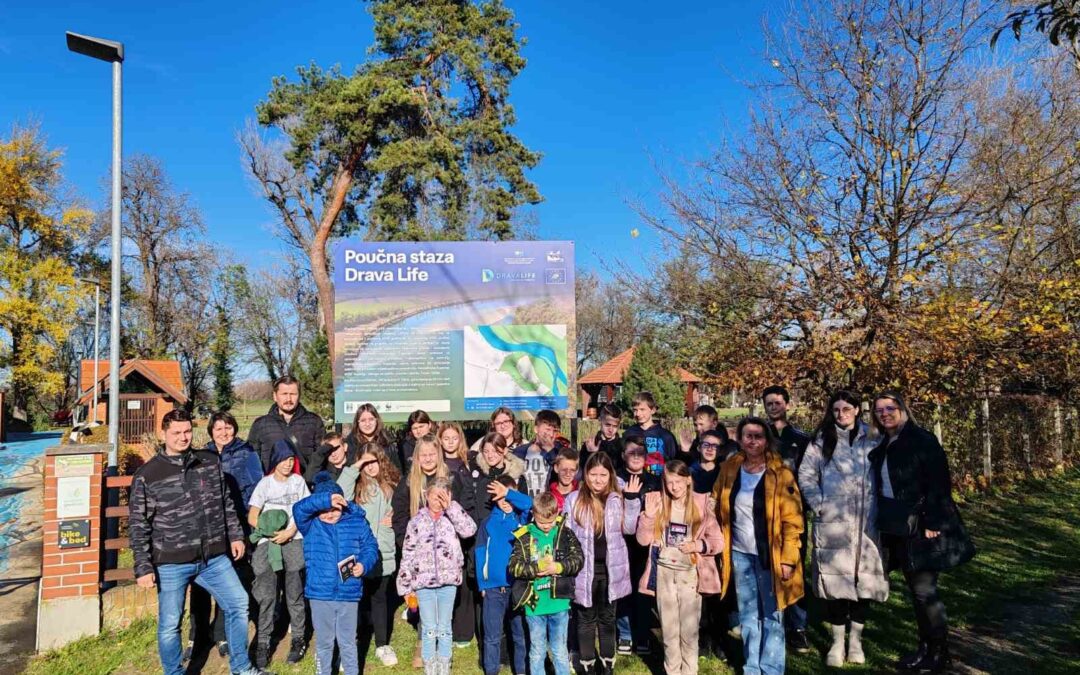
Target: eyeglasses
column 885, row 409
column 710, row 446
column 844, row 410
column 567, row 469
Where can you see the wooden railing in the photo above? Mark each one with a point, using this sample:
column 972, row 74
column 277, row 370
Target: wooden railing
column 116, row 543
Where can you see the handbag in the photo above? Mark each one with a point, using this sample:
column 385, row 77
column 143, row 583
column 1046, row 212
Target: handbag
column 952, row 548
column 897, row 518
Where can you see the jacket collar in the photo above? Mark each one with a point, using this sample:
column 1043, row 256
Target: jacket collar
column 301, row 411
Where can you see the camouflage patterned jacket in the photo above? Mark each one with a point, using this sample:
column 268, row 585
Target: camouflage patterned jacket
column 179, row 511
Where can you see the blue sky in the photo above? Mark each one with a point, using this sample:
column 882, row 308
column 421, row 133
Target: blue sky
column 607, row 85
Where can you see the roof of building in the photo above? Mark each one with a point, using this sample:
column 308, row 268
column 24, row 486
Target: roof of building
column 165, row 375
column 613, row 371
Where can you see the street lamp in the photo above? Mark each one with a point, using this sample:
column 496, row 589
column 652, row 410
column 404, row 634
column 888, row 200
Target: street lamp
column 97, row 332
column 113, row 52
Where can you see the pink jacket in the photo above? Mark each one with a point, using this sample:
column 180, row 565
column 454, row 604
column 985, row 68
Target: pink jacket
column 431, row 554
column 709, row 531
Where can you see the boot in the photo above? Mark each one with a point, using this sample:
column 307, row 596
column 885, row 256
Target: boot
column 444, row 665
column 835, row 657
column 937, row 658
column 911, row 661
column 607, row 667
column 854, row 648
column 431, row 667
column 588, row 668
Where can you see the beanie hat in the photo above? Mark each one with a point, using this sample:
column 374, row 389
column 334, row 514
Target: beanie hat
column 281, row 451
column 324, row 482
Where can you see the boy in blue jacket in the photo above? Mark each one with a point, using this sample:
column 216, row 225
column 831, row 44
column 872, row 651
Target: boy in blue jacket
column 339, row 548
column 494, row 542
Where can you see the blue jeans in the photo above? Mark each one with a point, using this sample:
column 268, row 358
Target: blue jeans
column 548, row 631
column 436, row 616
column 762, row 623
column 335, row 621
column 496, row 605
column 219, row 578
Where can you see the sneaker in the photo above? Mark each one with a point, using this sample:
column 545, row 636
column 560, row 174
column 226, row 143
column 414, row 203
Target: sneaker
column 386, row 655
column 462, row 645
column 296, row 651
column 254, row 671
column 188, row 651
column 262, row 655
column 642, row 649
column 625, row 647
column 798, row 642
column 223, row 649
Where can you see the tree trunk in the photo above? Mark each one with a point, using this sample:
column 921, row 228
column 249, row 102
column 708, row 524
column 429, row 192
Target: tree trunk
column 320, row 265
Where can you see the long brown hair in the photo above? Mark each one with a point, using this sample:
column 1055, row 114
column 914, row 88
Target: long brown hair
column 590, row 505
column 515, row 439
column 380, row 436
column 417, row 479
column 386, row 481
column 694, row 519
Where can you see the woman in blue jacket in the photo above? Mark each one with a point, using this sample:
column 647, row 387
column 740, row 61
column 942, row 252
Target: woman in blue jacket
column 339, row 548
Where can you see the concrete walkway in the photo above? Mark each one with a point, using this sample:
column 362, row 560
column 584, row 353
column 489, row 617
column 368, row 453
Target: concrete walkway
column 22, row 460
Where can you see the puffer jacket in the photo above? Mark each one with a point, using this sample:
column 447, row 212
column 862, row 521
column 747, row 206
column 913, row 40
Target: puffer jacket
column 305, row 431
column 523, row 565
column 376, row 506
column 400, row 502
column 181, row 511
column 326, row 545
column 620, row 518
column 708, row 577
column 846, row 561
column 778, row 522
column 242, row 470
column 431, row 555
column 495, row 538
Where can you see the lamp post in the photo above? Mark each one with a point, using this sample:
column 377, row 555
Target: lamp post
column 113, row 52
column 97, row 333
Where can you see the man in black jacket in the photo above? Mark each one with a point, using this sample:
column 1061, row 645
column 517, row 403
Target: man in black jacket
column 182, row 529
column 287, row 419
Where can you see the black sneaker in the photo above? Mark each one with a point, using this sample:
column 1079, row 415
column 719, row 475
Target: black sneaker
column 625, row 647
column 642, row 648
column 262, row 656
column 296, row 651
column 223, row 649
column 798, row 642
column 185, row 658
column 254, row 671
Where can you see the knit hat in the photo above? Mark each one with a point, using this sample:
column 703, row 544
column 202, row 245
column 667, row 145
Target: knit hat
column 324, row 482
column 282, row 450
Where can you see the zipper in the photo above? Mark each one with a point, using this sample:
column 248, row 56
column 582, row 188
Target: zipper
column 862, row 508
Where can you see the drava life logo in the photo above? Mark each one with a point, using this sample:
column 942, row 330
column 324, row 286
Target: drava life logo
column 487, row 275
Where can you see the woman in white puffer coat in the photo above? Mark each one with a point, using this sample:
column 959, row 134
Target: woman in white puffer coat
column 837, row 486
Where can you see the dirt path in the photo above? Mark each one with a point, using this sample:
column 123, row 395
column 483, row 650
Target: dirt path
column 1023, row 635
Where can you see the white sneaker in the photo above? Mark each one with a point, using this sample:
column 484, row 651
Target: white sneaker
column 386, row 655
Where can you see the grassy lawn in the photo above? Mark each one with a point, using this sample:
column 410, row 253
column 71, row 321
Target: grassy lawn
column 1015, row 608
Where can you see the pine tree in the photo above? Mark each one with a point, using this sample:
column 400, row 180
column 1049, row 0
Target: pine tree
column 653, row 371
column 221, row 354
column 316, row 376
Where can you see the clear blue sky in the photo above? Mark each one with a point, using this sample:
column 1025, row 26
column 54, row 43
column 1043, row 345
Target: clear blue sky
column 607, row 83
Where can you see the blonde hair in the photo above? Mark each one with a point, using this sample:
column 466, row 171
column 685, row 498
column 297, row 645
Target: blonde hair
column 693, row 518
column 545, row 505
column 387, row 480
column 590, row 505
column 417, row 479
column 462, row 451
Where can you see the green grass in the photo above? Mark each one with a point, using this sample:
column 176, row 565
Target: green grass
column 1008, row 603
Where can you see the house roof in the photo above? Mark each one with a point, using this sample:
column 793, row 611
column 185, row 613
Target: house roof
column 613, row 371
column 165, row 375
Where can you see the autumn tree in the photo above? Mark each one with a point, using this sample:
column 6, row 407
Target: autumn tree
column 415, row 142
column 42, row 249
column 608, row 320
column 844, row 199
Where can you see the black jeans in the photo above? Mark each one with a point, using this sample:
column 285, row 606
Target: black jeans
column 378, row 607
column 929, row 609
column 839, row 612
column 596, row 623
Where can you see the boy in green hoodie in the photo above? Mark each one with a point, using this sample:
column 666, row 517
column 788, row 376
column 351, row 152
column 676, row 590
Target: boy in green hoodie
column 545, row 559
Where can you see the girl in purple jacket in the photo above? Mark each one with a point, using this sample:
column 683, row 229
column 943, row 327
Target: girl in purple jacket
column 431, row 567
column 599, row 517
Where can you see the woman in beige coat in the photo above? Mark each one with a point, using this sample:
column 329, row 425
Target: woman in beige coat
column 836, row 482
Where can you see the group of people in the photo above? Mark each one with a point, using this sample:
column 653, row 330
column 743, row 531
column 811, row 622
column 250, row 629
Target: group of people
column 543, row 552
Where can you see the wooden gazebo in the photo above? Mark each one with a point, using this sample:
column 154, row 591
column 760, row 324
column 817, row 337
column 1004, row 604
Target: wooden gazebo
column 148, row 390
column 602, row 384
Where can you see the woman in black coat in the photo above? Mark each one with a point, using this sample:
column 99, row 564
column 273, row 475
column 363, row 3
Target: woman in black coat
column 920, row 526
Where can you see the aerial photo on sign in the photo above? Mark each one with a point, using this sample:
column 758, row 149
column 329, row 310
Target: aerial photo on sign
column 456, row 329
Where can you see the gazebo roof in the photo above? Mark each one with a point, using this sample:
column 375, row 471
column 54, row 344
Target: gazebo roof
column 613, row 371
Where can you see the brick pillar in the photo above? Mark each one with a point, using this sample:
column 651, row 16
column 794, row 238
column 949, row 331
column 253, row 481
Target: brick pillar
column 69, row 602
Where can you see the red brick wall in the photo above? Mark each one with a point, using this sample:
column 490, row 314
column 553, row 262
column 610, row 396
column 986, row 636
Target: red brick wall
column 70, row 572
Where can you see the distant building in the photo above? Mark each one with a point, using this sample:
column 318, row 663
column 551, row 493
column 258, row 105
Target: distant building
column 148, row 390
column 603, row 384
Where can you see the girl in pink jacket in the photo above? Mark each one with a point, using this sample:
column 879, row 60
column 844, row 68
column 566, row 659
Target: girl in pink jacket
column 431, row 567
